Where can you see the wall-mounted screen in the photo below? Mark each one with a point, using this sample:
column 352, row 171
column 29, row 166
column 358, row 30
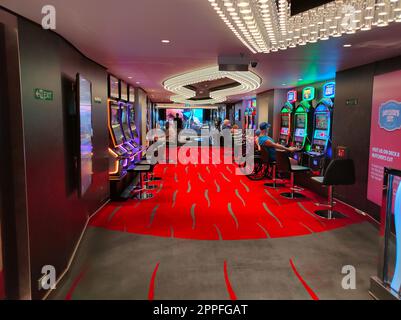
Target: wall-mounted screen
column 114, row 87
column 192, row 118
column 124, row 91
column 86, row 133
column 131, row 94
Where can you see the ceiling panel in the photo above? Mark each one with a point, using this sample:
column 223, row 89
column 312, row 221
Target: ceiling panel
column 125, row 36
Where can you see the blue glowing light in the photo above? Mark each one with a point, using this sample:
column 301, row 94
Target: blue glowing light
column 329, row 90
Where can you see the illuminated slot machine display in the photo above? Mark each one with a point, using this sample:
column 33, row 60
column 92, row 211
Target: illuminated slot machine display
column 287, row 118
column 321, row 142
column 303, row 124
column 253, row 109
column 119, row 155
column 131, row 118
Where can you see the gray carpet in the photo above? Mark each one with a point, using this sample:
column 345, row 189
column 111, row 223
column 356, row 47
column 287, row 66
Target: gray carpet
column 115, row 265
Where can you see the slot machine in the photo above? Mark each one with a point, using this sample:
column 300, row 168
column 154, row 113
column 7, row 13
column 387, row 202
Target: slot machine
column 286, row 115
column 118, row 154
column 253, row 114
column 303, row 124
column 322, row 122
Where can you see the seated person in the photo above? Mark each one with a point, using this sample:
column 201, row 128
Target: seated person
column 257, row 145
column 268, row 143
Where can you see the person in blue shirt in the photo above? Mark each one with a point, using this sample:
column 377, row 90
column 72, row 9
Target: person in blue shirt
column 269, row 144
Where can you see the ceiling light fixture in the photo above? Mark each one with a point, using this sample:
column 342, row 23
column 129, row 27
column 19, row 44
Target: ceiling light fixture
column 265, row 26
column 248, row 82
column 347, row 45
column 165, row 41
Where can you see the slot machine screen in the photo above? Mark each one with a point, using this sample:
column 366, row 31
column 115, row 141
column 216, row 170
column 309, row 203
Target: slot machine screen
column 285, row 131
column 124, row 122
column 285, row 121
column 300, row 132
column 124, row 91
column 116, row 124
column 300, row 121
column 131, row 92
column 322, row 122
column 86, row 133
column 114, row 88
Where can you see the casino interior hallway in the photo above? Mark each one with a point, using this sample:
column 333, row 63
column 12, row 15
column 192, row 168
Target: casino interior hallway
column 211, row 234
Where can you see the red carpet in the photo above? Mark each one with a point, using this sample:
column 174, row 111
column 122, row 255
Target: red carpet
column 210, row 202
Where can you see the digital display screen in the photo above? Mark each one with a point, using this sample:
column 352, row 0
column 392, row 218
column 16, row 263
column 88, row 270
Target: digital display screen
column 131, row 93
column 254, row 103
column 124, row 91
column 329, row 90
column 114, row 87
column 300, row 132
column 285, row 131
column 300, row 121
column 322, row 121
column 285, row 121
column 292, row 96
column 192, row 118
column 124, row 122
column 308, row 93
column 86, row 133
column 116, row 124
column 321, row 134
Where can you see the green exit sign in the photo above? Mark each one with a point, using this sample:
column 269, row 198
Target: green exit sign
column 44, row 95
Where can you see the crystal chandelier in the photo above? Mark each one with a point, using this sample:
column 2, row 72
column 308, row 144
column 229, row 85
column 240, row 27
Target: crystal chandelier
column 265, row 26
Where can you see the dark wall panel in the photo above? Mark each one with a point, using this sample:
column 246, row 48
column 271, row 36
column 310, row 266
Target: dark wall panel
column 57, row 215
column 351, row 128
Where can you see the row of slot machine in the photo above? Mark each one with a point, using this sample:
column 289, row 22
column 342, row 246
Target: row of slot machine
column 250, row 114
column 307, row 125
column 125, row 149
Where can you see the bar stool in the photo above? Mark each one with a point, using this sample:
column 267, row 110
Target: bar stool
column 149, row 175
column 284, row 165
column 273, row 165
column 339, row 172
column 141, row 193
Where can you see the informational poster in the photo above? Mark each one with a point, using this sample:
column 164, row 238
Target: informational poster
column 385, row 134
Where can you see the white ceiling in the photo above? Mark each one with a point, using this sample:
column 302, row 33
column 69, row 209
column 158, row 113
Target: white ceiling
column 125, row 36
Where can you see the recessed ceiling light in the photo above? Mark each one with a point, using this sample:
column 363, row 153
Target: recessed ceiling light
column 138, row 82
column 347, row 45
column 284, row 84
column 129, row 77
column 165, row 41
column 300, row 79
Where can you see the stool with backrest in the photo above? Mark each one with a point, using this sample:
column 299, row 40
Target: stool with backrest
column 340, row 172
column 284, row 166
column 273, row 165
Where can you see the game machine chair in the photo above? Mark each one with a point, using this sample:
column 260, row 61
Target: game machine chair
column 284, row 166
column 271, row 170
column 340, row 172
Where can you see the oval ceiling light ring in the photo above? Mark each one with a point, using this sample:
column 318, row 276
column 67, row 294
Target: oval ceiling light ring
column 248, row 82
